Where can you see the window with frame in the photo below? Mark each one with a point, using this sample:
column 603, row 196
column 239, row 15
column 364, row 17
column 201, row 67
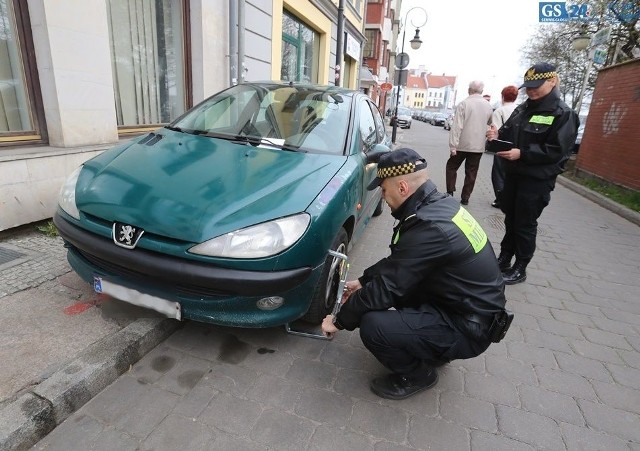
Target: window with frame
column 370, row 44
column 21, row 112
column 148, row 56
column 300, row 49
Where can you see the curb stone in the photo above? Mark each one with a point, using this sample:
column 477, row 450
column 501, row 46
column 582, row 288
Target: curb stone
column 31, row 416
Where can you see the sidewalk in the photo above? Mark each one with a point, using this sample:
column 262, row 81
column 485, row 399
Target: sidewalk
column 567, row 376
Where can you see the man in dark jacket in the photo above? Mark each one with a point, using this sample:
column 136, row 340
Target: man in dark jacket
column 441, row 279
column 543, row 131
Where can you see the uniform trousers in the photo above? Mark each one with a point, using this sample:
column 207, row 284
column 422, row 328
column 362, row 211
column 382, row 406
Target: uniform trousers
column 497, row 175
column 404, row 339
column 522, row 201
column 471, row 165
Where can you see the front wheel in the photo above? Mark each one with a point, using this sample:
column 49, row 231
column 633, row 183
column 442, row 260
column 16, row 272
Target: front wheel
column 326, row 290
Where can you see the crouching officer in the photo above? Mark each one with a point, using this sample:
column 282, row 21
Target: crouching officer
column 442, row 280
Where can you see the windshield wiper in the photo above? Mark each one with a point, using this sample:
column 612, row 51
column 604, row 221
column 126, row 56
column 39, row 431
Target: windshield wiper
column 175, row 129
column 256, row 141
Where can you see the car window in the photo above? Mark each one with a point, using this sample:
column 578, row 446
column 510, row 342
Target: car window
column 368, row 133
column 313, row 119
column 379, row 123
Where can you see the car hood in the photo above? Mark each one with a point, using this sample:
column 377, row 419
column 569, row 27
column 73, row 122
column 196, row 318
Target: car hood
column 194, row 188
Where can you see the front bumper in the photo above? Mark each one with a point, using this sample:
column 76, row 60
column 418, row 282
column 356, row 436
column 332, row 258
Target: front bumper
column 205, row 292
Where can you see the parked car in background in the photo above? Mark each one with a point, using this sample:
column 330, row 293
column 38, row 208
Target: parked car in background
column 438, row 119
column 404, row 118
column 448, row 122
column 427, row 116
column 576, row 146
column 227, row 215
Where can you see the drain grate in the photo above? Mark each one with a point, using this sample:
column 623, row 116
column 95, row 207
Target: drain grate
column 11, row 256
column 497, row 222
column 8, row 255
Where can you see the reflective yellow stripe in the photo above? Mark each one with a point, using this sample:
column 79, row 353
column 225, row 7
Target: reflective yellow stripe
column 471, row 229
column 546, row 120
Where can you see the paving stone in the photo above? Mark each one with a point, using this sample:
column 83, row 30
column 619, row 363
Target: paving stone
column 618, row 423
column 193, row 403
column 631, row 358
column 511, row 370
column 536, row 430
column 546, row 340
column 585, row 439
column 550, row 404
column 570, row 317
column 618, row 396
column 624, row 375
column 437, row 434
column 622, row 316
column 450, row 379
column 381, row 422
column 231, row 379
column 332, row 437
column 280, row 430
column 312, row 373
column 492, row 389
column 231, row 414
column 468, row 411
column 538, row 311
column 560, row 328
column 564, row 382
column 349, row 357
column 387, row 446
column 528, row 353
column 273, row 391
column 176, row 432
column 494, row 442
column 589, row 368
column 324, row 407
column 615, row 327
column 594, row 351
column 606, row 338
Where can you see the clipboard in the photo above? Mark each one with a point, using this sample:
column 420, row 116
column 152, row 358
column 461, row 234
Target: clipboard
column 498, row 145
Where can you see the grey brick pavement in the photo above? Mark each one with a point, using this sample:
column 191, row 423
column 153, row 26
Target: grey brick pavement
column 565, row 377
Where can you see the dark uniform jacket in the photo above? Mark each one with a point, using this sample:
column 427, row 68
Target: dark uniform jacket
column 439, row 256
column 545, row 131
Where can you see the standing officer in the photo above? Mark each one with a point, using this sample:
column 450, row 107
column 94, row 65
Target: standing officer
column 543, row 131
column 442, row 279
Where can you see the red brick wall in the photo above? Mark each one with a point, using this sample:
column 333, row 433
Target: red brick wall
column 611, row 142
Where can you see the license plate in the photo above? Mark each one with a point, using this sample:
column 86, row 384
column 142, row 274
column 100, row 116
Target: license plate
column 168, row 308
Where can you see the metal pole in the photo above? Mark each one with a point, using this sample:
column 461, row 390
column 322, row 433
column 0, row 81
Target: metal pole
column 584, row 84
column 395, row 114
column 233, row 42
column 339, row 43
column 241, row 30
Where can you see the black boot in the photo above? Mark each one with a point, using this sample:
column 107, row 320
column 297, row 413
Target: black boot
column 504, row 262
column 400, row 386
column 516, row 275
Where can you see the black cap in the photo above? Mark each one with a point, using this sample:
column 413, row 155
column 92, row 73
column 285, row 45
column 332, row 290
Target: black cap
column 536, row 75
column 399, row 162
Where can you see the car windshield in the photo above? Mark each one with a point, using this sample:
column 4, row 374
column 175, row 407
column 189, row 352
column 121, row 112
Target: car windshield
column 306, row 118
column 404, row 112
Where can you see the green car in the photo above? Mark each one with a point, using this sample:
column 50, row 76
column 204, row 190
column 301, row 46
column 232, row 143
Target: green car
column 228, row 214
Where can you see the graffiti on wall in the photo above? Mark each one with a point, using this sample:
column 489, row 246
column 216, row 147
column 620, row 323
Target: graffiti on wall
column 613, row 118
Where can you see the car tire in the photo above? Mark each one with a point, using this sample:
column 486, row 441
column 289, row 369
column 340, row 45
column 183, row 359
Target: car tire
column 379, row 208
column 325, row 293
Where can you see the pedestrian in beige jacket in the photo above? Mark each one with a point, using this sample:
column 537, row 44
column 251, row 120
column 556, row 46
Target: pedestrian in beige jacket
column 467, row 139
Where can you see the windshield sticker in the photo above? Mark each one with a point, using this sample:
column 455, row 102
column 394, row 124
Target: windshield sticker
column 471, row 229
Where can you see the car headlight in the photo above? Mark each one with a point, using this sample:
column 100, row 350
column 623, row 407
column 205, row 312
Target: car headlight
column 67, row 196
column 262, row 240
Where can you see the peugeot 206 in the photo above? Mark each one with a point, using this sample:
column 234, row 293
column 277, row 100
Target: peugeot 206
column 227, row 215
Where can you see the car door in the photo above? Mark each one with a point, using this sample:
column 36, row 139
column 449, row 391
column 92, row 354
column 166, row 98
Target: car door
column 371, row 131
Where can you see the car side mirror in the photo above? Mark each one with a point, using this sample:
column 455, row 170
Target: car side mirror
column 373, row 156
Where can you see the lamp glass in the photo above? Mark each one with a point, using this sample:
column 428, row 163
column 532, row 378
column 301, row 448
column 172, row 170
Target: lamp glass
column 581, row 42
column 416, row 42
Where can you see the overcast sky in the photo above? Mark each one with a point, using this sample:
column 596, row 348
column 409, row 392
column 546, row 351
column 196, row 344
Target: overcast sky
column 472, row 40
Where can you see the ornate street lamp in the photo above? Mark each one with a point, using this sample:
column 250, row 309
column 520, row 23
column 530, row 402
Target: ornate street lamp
column 416, row 42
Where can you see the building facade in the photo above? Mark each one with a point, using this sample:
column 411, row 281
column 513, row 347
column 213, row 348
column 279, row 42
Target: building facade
column 430, row 92
column 77, row 77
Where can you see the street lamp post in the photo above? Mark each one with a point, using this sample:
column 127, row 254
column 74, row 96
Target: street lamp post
column 580, row 43
column 416, row 42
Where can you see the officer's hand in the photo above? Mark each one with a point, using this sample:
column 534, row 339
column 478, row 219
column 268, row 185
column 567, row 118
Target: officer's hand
column 513, row 154
column 350, row 287
column 328, row 328
column 453, row 151
column 492, row 133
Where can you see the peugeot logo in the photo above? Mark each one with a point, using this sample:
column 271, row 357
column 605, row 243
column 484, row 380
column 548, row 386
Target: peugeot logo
column 125, row 235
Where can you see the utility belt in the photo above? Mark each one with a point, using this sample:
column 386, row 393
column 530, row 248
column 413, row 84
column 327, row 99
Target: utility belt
column 496, row 325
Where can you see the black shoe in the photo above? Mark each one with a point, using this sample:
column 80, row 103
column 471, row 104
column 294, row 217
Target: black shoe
column 464, row 201
column 495, row 204
column 504, row 263
column 450, row 193
column 398, row 386
column 516, row 275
